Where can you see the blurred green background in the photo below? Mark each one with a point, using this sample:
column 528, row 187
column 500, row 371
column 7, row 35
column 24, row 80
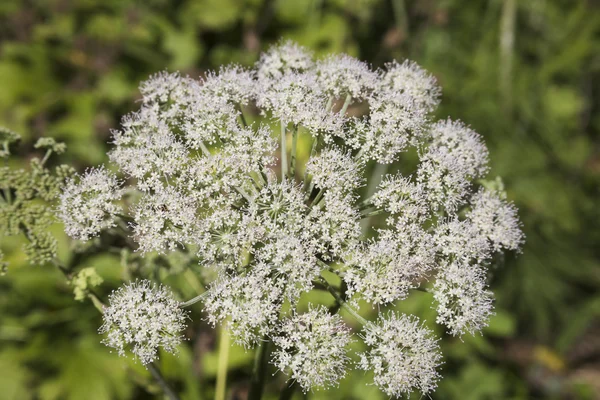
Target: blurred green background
column 523, row 73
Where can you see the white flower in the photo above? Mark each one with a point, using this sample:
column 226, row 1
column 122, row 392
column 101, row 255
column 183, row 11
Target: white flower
column 385, row 269
column 402, row 198
column 164, row 220
column 335, row 170
column 311, row 348
column 497, row 220
column 232, row 82
column 411, row 79
column 142, row 317
column 402, row 354
column 250, row 303
column 283, row 58
column 455, row 157
column 87, row 203
column 208, row 163
column 342, row 75
column 464, row 304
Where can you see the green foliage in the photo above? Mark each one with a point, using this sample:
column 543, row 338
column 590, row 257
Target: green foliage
column 25, row 196
column 523, row 73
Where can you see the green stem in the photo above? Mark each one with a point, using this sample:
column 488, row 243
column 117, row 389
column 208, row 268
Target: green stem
column 260, row 369
column 346, row 104
column 205, row 150
column 239, row 107
column 329, row 103
column 372, row 213
column 284, row 163
column 318, row 197
column 343, row 303
column 195, row 299
column 162, row 382
column 221, row 385
column 293, row 158
column 308, row 185
column 46, row 156
column 288, row 391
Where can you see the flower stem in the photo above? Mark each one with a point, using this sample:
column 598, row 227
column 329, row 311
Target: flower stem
column 260, row 369
column 288, row 391
column 343, row 303
column 239, row 107
column 221, row 385
column 293, row 158
column 284, row 163
column 346, row 104
column 162, row 382
column 195, row 299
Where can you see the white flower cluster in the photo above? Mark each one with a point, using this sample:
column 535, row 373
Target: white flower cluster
column 311, row 348
column 88, row 203
column 215, row 165
column 143, row 317
column 403, row 354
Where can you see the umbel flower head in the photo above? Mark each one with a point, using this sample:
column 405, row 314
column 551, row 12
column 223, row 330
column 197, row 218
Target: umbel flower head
column 143, row 317
column 403, row 355
column 311, row 348
column 213, row 166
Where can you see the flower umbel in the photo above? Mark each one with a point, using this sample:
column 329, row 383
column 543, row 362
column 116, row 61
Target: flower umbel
column 143, row 317
column 214, row 171
column 311, row 348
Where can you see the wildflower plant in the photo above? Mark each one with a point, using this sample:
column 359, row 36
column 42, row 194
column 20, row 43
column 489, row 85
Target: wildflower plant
column 211, row 167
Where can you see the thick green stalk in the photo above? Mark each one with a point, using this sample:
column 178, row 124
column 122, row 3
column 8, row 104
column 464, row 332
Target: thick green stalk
column 343, row 303
column 284, row 162
column 259, row 372
column 293, row 158
column 162, row 382
column 288, row 391
column 224, row 344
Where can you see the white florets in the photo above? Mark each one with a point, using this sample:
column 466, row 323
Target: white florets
column 497, row 220
column 311, row 348
column 208, row 176
column 335, row 170
column 413, row 80
column 87, row 203
column 250, row 303
column 403, row 355
column 143, row 317
column 342, row 75
column 455, row 157
column 464, row 304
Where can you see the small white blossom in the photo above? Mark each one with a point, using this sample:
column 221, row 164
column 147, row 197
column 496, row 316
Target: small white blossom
column 395, row 121
column 295, row 98
column 311, row 348
column 335, row 170
column 164, row 220
column 143, row 317
column 464, row 304
column 497, row 220
column 232, row 82
column 283, row 58
column 87, row 203
column 402, row 354
column 342, row 75
column 250, row 303
column 402, row 198
column 411, row 79
column 334, row 226
column 455, row 157
column 385, row 269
